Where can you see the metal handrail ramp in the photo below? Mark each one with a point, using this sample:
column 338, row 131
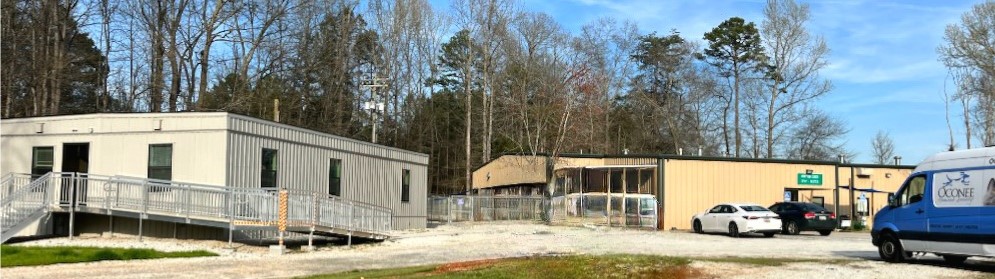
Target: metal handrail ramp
column 231, row 208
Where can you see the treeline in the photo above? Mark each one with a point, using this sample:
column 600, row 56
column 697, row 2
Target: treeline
column 461, row 83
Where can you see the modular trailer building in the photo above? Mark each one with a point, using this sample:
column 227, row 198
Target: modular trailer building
column 216, row 148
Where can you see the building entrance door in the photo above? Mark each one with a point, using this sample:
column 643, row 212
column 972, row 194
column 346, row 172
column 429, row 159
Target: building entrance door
column 75, row 158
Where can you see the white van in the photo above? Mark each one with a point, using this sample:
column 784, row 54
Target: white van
column 946, row 207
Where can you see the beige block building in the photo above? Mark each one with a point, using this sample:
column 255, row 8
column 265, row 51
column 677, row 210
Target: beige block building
column 686, row 185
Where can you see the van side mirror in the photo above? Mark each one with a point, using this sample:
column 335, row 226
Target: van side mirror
column 892, row 201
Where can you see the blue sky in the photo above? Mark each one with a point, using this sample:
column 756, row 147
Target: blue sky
column 883, row 62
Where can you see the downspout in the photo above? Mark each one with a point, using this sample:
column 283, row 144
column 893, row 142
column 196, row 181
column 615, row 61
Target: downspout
column 660, row 189
column 853, row 207
column 547, row 194
column 836, row 196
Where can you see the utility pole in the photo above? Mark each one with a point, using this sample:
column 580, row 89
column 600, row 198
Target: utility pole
column 374, row 105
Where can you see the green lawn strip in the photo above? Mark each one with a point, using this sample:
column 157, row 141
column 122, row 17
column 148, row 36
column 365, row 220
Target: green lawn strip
column 772, row 261
column 11, row 256
column 578, row 266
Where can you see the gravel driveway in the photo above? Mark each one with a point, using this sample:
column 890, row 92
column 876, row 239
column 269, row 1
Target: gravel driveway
column 472, row 241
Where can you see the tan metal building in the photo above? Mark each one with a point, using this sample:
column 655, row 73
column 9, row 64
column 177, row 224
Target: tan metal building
column 686, row 185
column 219, row 148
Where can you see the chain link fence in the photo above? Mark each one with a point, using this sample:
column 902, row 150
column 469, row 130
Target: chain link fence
column 486, row 208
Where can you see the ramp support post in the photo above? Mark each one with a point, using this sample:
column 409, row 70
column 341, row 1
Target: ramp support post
column 72, row 205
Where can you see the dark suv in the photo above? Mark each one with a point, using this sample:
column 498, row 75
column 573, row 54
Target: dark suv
column 804, row 216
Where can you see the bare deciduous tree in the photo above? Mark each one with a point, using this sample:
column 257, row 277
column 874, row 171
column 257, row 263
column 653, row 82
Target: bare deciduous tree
column 794, row 60
column 883, row 147
column 970, row 51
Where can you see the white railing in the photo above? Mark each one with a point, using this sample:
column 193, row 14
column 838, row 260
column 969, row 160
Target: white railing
column 315, row 209
column 23, row 202
column 236, row 206
column 13, row 181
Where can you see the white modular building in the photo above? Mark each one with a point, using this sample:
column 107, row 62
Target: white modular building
column 221, row 149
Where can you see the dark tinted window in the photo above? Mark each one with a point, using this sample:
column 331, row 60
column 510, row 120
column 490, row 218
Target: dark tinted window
column 405, row 185
column 775, row 207
column 717, row 209
column 269, row 161
column 41, row 161
column 811, row 207
column 335, row 177
column 753, row 208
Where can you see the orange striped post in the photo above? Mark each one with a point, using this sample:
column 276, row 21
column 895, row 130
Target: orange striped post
column 282, row 221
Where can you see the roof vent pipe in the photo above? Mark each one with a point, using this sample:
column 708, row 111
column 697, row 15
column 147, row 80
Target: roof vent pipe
column 680, row 151
column 898, row 160
column 699, row 151
column 842, row 159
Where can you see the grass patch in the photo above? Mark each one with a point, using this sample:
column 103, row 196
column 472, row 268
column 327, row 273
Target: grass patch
column 773, row 261
column 579, row 266
column 11, row 256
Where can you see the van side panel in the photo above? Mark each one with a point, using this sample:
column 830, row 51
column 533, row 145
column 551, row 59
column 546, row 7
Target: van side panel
column 987, row 215
column 961, row 221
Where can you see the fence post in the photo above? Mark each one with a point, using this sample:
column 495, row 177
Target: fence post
column 188, row 201
column 352, row 210
column 145, row 207
column 229, row 207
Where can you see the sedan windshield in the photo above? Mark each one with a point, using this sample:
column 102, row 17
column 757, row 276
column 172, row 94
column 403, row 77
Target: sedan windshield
column 753, row 208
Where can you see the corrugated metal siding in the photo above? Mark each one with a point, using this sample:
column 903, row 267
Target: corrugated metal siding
column 510, row 170
column 695, row 186
column 370, row 173
column 630, row 161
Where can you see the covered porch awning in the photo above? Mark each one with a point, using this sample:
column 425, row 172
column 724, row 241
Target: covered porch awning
column 865, row 190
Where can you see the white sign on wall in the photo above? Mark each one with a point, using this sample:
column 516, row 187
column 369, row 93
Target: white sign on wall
column 964, row 188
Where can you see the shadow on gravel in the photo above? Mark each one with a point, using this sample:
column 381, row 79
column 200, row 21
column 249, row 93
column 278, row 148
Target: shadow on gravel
column 864, row 255
column 972, row 264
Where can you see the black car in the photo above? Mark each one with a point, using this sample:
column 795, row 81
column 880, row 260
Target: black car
column 804, row 216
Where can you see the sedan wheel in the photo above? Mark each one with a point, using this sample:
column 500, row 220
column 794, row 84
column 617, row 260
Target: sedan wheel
column 697, row 226
column 733, row 229
column 791, row 228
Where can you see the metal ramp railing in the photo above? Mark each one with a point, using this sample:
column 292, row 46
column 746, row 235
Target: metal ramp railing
column 231, row 208
column 23, row 205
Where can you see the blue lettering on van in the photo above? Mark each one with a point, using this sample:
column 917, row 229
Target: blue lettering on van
column 963, row 179
column 959, row 194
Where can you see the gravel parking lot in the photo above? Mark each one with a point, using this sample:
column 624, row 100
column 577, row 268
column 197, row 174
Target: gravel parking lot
column 474, row 241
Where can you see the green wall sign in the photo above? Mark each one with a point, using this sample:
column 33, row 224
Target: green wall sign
column 810, row 179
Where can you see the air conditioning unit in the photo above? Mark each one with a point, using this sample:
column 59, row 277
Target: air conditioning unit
column 865, row 171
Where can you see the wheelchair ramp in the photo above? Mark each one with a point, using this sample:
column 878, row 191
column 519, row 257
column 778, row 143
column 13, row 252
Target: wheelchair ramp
column 230, row 208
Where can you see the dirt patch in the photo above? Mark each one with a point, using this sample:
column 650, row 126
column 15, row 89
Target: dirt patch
column 464, row 266
column 676, row 272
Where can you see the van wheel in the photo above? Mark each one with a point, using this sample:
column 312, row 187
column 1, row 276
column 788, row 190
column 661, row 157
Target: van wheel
column 697, row 226
column 954, row 259
column 891, row 250
column 791, row 228
column 825, row 232
column 733, row 229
